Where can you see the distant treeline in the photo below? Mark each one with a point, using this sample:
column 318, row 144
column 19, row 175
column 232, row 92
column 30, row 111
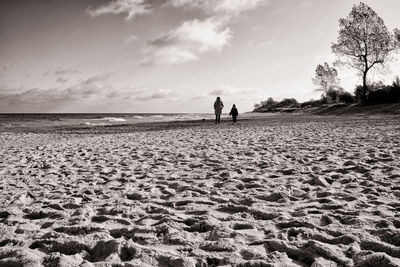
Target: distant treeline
column 377, row 93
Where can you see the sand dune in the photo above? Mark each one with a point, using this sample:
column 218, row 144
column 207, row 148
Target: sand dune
column 279, row 192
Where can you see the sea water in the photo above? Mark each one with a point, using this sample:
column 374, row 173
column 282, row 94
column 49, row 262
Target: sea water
column 94, row 119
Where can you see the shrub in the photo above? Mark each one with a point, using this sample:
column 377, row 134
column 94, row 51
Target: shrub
column 358, row 93
column 333, row 95
column 378, row 93
column 271, row 105
column 339, row 96
column 388, row 94
column 346, row 97
column 288, row 103
column 314, row 103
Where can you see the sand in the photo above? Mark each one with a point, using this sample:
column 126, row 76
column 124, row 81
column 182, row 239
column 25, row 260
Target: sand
column 279, row 191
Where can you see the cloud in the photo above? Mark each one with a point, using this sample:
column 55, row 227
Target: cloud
column 256, row 44
column 195, row 37
column 66, row 71
column 217, row 92
column 61, row 80
column 187, row 42
column 83, row 89
column 192, row 38
column 228, row 91
column 161, row 94
column 231, row 7
column 306, row 4
column 95, row 90
column 61, row 71
column 130, row 8
column 97, row 78
column 131, row 39
column 133, row 8
column 33, row 97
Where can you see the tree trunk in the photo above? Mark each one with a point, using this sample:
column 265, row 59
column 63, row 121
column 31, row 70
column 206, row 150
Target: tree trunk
column 365, row 89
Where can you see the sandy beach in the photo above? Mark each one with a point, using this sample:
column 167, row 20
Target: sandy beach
column 270, row 191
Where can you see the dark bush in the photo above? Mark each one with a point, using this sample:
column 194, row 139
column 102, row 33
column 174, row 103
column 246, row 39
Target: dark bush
column 358, row 93
column 288, row 103
column 271, row 105
column 314, row 103
column 339, row 96
column 346, row 97
column 333, row 95
column 378, row 93
column 387, row 95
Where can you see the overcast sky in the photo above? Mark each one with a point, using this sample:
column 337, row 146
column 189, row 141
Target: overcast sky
column 168, row 55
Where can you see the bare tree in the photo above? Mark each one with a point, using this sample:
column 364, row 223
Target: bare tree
column 326, row 78
column 363, row 41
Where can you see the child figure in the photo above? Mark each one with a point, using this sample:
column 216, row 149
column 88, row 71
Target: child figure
column 234, row 113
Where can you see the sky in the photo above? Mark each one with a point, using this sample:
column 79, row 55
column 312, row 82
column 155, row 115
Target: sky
column 169, row 56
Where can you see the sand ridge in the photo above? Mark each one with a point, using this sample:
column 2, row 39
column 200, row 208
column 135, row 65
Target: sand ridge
column 264, row 193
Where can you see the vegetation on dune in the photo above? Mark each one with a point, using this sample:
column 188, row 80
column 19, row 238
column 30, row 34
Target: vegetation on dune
column 376, row 93
column 286, row 105
column 364, row 42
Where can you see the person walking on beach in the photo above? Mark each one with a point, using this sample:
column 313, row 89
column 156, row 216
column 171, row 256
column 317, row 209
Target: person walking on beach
column 218, row 106
column 234, row 113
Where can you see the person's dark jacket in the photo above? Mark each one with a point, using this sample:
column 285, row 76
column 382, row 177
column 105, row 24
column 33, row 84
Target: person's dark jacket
column 234, row 112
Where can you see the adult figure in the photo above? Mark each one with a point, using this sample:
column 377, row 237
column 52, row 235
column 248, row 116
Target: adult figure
column 234, row 113
column 218, row 106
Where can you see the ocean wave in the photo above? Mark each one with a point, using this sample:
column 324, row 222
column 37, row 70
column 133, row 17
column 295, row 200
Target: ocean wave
column 114, row 119
column 188, row 117
column 110, row 119
column 143, row 118
column 95, row 124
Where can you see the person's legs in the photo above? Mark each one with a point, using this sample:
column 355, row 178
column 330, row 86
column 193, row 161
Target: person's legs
column 216, row 118
column 219, row 118
column 234, row 119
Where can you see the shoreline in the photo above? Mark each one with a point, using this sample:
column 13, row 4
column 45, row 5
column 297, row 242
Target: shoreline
column 246, row 119
column 51, row 123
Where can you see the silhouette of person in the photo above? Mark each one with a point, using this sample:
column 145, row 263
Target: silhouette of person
column 218, row 106
column 234, row 113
